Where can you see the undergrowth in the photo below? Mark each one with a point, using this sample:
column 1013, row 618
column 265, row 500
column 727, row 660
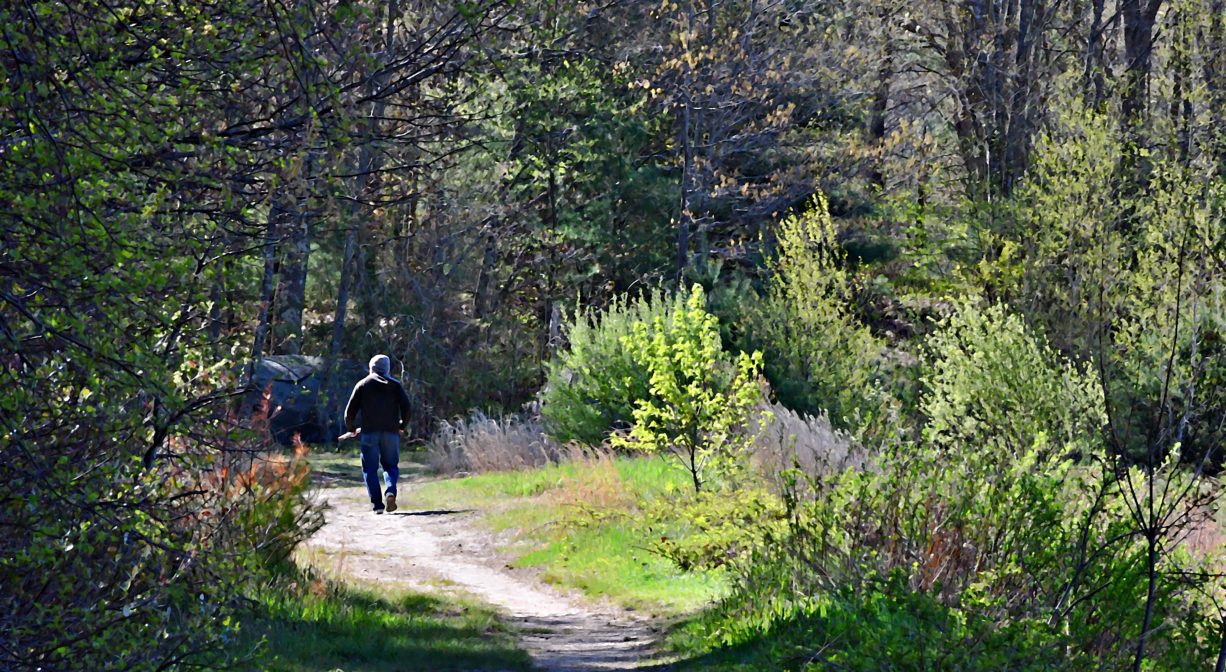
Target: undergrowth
column 310, row 624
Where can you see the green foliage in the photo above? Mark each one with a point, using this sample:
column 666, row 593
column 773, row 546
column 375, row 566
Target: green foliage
column 1124, row 276
column 990, row 382
column 593, row 384
column 886, row 626
column 135, row 510
column 698, row 406
column 711, row 530
column 982, row 547
column 818, row 357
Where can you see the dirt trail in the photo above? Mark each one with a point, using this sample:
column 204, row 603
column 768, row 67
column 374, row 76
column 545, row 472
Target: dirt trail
column 433, row 550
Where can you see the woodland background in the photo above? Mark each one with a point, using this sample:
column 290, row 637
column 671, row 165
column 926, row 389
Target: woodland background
column 858, row 188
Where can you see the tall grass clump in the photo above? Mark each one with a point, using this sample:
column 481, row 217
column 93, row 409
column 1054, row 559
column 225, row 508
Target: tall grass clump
column 785, row 439
column 592, row 385
column 480, row 443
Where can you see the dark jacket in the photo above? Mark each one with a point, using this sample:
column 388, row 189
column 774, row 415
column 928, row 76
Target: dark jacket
column 382, row 403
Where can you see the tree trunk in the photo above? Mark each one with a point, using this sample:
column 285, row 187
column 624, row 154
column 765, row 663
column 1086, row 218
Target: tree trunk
column 291, row 294
column 683, row 222
column 1181, row 103
column 481, row 297
column 1095, row 83
column 877, row 114
column 1210, row 35
column 687, row 166
column 1152, row 587
column 367, row 163
column 216, row 297
column 1221, row 654
column 268, row 282
column 1138, row 17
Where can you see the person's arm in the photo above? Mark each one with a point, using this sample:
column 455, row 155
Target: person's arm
column 351, row 409
column 404, row 407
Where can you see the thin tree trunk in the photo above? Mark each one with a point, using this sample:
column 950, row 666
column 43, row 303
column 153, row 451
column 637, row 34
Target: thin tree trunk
column 687, row 167
column 683, row 223
column 1181, row 102
column 296, row 252
column 1215, row 74
column 291, row 295
column 877, row 114
column 1152, row 570
column 216, row 297
column 342, row 296
column 267, row 283
column 1138, row 17
column 1092, row 74
column 481, row 298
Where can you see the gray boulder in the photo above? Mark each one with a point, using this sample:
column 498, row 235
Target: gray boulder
column 297, row 402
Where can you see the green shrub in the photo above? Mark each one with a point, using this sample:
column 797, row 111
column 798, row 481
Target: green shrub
column 989, row 382
column 713, row 529
column 884, row 626
column 981, row 546
column 818, row 357
column 592, row 384
column 699, row 406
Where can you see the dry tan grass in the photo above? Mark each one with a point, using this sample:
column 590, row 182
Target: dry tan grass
column 480, row 443
column 791, row 440
column 1205, row 536
column 598, row 485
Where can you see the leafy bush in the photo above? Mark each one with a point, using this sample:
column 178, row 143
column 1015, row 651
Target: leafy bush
column 981, row 547
column 989, row 382
column 883, row 626
column 699, row 406
column 713, row 529
column 818, row 357
column 107, row 564
column 1120, row 275
column 592, row 385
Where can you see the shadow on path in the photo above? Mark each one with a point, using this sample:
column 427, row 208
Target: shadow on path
column 357, row 631
column 434, row 512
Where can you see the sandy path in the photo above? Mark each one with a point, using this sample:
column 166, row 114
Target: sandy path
column 432, row 550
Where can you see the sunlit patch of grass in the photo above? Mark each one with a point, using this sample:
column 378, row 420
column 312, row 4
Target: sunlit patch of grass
column 581, row 524
column 315, row 625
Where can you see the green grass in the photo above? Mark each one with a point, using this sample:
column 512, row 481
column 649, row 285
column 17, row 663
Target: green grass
column 580, row 524
column 321, row 626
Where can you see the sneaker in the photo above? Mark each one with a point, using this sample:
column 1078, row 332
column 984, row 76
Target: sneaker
column 378, row 510
column 391, row 502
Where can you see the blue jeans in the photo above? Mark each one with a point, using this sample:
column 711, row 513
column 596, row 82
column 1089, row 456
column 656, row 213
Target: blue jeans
column 380, row 448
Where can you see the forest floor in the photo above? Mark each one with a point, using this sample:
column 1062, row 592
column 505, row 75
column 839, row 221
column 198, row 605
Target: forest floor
column 445, row 552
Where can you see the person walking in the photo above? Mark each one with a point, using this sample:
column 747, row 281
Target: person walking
column 377, row 410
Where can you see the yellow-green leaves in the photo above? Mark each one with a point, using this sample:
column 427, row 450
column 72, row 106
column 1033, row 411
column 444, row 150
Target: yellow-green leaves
column 993, row 385
column 699, row 404
column 820, row 358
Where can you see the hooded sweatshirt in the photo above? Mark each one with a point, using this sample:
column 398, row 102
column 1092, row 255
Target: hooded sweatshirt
column 378, row 402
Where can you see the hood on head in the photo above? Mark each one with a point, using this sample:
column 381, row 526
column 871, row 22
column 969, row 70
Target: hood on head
column 381, row 365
